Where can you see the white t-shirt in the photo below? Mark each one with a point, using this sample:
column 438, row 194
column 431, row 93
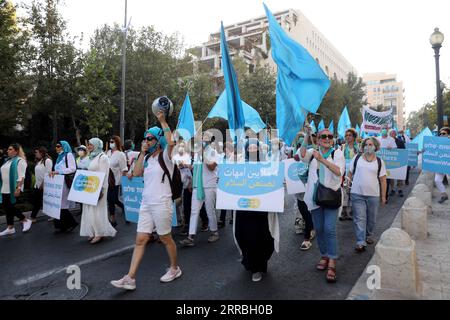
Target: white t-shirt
column 41, row 170
column 156, row 192
column 21, row 168
column 387, row 143
column 365, row 181
column 185, row 159
column 117, row 164
column 331, row 181
column 209, row 176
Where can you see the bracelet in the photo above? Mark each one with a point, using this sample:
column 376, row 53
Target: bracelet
column 166, row 129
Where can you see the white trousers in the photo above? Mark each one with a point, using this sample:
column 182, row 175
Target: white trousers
column 438, row 180
column 210, row 206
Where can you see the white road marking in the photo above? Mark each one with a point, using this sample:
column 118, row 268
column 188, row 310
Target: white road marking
column 43, row 275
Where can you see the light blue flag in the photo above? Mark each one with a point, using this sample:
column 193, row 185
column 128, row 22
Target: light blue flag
column 313, row 127
column 331, row 127
column 358, row 130
column 321, row 125
column 419, row 138
column 251, row 116
column 344, row 123
column 234, row 111
column 301, row 83
column 186, row 120
column 408, row 133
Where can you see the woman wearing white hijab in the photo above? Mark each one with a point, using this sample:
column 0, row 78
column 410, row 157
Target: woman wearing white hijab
column 94, row 221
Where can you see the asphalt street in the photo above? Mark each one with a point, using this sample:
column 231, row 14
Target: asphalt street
column 33, row 265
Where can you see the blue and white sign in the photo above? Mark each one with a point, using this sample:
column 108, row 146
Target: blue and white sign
column 396, row 161
column 132, row 197
column 413, row 149
column 251, row 187
column 293, row 171
column 436, row 155
column 52, row 198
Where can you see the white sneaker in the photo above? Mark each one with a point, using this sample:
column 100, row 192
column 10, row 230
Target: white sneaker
column 125, row 283
column 171, row 275
column 7, row 232
column 257, row 276
column 27, row 225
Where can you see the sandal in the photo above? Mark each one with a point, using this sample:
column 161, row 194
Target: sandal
column 306, row 245
column 323, row 264
column 360, row 248
column 331, row 274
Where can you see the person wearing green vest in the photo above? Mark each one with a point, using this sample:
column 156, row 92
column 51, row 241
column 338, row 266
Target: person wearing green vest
column 12, row 178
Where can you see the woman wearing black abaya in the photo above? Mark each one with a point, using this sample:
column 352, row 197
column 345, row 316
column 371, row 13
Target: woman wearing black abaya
column 256, row 233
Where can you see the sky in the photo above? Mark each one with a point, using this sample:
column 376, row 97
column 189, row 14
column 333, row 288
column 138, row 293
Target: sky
column 389, row 36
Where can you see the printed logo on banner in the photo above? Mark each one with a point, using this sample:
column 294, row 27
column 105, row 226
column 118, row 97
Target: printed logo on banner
column 296, row 170
column 87, row 184
column 245, row 203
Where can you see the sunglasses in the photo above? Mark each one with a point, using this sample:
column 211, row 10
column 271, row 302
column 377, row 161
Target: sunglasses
column 58, row 146
column 443, row 133
column 329, row 136
column 150, row 139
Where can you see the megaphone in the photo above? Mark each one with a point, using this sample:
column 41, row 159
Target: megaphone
column 162, row 104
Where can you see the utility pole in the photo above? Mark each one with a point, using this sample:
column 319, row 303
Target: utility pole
column 124, row 62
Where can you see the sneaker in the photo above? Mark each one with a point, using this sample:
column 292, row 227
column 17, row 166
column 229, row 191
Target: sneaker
column 306, row 245
column 7, row 232
column 125, row 283
column 444, row 198
column 188, row 242
column 370, row 241
column 171, row 275
column 213, row 237
column 27, row 225
column 257, row 276
column 204, row 228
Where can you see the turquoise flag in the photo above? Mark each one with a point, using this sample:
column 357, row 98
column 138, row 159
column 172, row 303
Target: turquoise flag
column 251, row 116
column 358, row 130
column 331, row 127
column 186, row 125
column 234, row 110
column 301, row 83
column 408, row 133
column 321, row 125
column 313, row 127
column 419, row 138
column 344, row 123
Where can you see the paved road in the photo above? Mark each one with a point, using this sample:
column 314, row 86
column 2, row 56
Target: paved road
column 36, row 261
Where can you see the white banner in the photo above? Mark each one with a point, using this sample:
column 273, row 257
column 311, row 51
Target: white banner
column 53, row 189
column 86, row 187
column 374, row 122
column 292, row 172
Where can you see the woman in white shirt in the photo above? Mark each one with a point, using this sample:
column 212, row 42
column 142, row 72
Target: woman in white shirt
column 43, row 168
column 12, row 178
column 119, row 168
column 157, row 205
column 327, row 167
column 94, row 221
column 368, row 176
column 65, row 165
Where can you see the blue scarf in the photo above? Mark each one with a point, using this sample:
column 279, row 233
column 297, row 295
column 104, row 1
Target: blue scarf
column 13, row 176
column 322, row 166
column 347, row 151
column 66, row 150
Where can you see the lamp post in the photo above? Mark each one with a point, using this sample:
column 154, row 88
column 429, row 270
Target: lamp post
column 124, row 62
column 436, row 40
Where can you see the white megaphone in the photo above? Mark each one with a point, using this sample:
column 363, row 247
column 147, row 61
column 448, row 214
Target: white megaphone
column 162, row 104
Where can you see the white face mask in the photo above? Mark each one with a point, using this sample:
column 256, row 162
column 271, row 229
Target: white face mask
column 369, row 150
column 112, row 146
column 81, row 153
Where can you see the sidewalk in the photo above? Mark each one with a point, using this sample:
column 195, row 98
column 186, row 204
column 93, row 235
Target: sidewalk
column 433, row 258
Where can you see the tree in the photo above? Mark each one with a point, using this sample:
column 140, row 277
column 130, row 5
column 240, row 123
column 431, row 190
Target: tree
column 13, row 85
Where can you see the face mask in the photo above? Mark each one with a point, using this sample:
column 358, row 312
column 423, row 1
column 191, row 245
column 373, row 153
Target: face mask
column 112, row 146
column 153, row 148
column 81, row 153
column 369, row 149
column 181, row 150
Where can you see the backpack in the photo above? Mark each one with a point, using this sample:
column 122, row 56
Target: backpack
column 379, row 167
column 176, row 185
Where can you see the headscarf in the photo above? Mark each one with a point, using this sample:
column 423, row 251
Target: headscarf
column 98, row 147
column 158, row 133
column 247, row 146
column 66, row 150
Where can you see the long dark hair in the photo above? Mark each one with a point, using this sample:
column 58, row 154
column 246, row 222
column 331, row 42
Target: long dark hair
column 44, row 153
column 117, row 141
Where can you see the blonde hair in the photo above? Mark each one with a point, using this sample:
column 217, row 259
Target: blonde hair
column 19, row 150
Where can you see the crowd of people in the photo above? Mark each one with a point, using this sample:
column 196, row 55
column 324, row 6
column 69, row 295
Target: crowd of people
column 345, row 180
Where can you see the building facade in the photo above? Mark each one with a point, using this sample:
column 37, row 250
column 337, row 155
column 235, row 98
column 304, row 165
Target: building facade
column 250, row 40
column 384, row 91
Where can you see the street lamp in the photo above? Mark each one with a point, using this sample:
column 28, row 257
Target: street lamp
column 436, row 40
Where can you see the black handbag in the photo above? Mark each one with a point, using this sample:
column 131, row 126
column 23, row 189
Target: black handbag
column 326, row 197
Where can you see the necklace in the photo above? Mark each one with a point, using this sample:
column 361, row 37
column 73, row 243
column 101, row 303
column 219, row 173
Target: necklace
column 365, row 157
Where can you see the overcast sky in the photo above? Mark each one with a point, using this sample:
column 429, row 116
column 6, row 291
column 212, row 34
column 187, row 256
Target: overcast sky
column 374, row 35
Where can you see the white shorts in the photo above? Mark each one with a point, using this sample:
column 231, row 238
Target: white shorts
column 159, row 216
